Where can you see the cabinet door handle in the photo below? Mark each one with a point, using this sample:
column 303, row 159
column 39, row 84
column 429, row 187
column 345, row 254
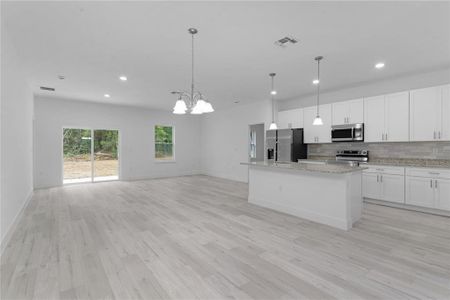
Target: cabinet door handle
column 439, row 135
column 381, row 178
column 431, row 183
column 386, row 136
column 378, row 177
column 435, row 184
column 382, row 136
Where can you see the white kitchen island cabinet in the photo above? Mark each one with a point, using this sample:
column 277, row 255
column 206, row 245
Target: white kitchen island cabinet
column 326, row 194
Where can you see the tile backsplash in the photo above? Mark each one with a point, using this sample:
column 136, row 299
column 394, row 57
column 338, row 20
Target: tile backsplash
column 423, row 150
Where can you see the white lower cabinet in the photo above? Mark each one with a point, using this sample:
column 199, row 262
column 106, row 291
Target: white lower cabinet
column 428, row 188
column 414, row 186
column 393, row 188
column 419, row 191
column 442, row 194
column 386, row 184
column 371, row 186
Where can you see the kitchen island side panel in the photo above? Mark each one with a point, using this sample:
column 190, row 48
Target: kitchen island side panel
column 331, row 199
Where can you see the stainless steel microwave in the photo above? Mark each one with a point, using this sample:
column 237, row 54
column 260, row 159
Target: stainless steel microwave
column 347, row 133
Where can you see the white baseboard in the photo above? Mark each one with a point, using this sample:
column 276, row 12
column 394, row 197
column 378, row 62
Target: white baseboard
column 409, row 207
column 14, row 224
column 222, row 175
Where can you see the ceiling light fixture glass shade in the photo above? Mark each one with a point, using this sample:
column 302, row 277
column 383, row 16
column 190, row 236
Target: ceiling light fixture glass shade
column 191, row 101
column 273, row 126
column 180, row 107
column 318, row 120
column 208, row 108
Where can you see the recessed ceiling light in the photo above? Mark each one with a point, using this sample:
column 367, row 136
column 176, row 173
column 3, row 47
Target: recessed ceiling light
column 123, row 78
column 273, row 92
column 107, row 96
column 379, row 65
column 316, row 81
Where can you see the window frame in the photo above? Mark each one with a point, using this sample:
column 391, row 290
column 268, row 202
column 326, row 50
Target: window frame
column 159, row 160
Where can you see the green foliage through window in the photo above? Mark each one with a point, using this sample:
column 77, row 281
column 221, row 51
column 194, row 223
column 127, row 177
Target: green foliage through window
column 163, row 142
column 77, row 143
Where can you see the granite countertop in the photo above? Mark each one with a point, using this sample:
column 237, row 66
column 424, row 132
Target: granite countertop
column 397, row 162
column 309, row 167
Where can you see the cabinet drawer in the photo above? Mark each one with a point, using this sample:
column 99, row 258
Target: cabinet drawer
column 434, row 173
column 385, row 170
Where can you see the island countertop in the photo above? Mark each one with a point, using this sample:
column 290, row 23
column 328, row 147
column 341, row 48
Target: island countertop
column 309, row 167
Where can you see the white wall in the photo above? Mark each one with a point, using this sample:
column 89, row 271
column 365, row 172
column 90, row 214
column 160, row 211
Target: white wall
column 389, row 85
column 225, row 135
column 136, row 130
column 16, row 158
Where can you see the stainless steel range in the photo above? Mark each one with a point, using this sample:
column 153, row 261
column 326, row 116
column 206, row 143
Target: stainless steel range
column 351, row 157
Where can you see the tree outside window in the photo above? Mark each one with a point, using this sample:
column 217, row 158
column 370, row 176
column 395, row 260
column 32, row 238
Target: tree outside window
column 164, row 143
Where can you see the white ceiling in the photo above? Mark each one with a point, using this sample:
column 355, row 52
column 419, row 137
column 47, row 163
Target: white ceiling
column 92, row 43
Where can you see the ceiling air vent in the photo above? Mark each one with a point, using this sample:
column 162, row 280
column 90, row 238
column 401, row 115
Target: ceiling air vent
column 286, row 41
column 45, row 88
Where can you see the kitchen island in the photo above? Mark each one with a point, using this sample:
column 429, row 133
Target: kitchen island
column 325, row 193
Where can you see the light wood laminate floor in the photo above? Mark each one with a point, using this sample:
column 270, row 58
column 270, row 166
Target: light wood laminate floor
column 196, row 237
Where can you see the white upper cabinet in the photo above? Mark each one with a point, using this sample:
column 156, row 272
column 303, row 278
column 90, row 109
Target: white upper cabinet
column 386, row 118
column 430, row 113
column 445, row 134
column 317, row 134
column 396, row 117
column 424, row 111
column 374, row 119
column 290, row 118
column 348, row 112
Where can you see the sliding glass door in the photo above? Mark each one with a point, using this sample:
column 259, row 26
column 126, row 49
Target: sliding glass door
column 77, row 155
column 90, row 155
column 106, row 160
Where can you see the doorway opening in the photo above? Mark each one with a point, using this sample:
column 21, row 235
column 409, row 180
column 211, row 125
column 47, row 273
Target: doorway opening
column 256, row 142
column 90, row 155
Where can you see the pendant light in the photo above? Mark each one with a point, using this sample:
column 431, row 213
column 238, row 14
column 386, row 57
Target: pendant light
column 318, row 120
column 273, row 92
column 191, row 101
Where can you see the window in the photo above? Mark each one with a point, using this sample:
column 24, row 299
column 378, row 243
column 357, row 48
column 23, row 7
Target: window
column 164, row 143
column 252, row 144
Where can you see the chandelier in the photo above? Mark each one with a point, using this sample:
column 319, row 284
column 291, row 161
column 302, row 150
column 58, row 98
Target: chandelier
column 191, row 101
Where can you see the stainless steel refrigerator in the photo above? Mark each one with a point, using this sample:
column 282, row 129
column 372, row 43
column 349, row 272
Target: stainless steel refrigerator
column 286, row 145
